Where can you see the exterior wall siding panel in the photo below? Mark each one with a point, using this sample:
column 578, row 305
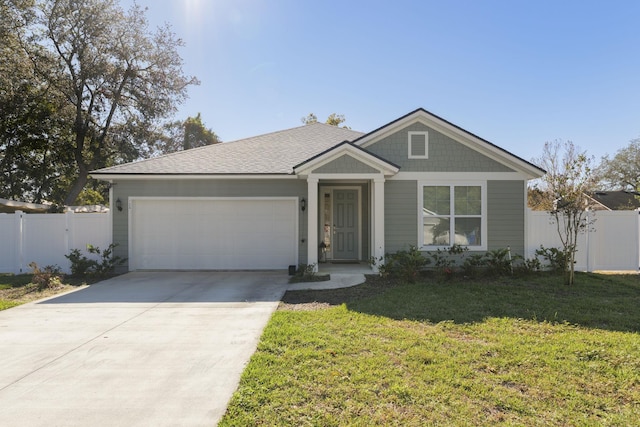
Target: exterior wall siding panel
column 345, row 164
column 506, row 215
column 445, row 154
column 401, row 215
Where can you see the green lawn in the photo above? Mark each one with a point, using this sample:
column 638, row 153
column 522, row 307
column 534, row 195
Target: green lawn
column 19, row 289
column 526, row 351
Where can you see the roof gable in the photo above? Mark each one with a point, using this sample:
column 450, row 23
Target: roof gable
column 421, row 117
column 346, row 155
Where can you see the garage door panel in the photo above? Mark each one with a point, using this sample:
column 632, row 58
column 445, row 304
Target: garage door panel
column 213, row 234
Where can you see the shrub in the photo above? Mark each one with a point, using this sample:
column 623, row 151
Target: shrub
column 499, row 262
column 445, row 260
column 380, row 264
column 49, row 277
column 473, row 265
column 406, row 264
column 80, row 264
column 529, row 265
column 555, row 258
column 106, row 264
column 306, row 271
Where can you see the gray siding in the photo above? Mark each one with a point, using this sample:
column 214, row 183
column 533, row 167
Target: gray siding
column 505, row 215
column 401, row 215
column 506, row 211
column 204, row 188
column 345, row 164
column 445, row 154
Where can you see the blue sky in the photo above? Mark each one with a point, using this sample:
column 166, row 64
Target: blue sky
column 517, row 73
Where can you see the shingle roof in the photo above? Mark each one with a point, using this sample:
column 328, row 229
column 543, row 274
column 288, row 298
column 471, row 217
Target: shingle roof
column 618, row 200
column 272, row 153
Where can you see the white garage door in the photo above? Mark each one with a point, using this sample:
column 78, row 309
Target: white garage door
column 212, row 234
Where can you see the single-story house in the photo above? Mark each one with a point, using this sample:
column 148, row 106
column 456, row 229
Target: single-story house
column 319, row 192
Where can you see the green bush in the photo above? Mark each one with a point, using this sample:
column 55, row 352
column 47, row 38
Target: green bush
column 474, row 265
column 305, row 272
column 406, row 264
column 106, row 264
column 446, row 261
column 555, row 258
column 499, row 262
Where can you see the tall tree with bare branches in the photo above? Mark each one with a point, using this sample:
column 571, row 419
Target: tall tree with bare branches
column 567, row 184
column 117, row 77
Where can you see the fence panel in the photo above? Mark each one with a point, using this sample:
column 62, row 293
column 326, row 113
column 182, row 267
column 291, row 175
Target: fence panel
column 9, row 239
column 44, row 240
column 47, row 238
column 89, row 229
column 612, row 243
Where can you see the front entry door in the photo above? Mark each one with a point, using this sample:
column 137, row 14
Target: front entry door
column 345, row 226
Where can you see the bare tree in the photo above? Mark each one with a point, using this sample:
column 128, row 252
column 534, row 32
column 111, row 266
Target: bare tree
column 568, row 183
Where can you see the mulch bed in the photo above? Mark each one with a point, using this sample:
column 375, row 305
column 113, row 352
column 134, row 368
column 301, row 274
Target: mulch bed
column 319, row 299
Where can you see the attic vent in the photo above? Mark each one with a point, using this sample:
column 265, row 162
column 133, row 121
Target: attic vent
column 418, row 145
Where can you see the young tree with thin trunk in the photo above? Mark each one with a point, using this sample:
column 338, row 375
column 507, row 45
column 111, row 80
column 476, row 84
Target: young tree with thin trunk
column 568, row 182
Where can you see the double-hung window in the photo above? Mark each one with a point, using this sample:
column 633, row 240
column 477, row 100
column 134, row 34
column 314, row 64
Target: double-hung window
column 453, row 214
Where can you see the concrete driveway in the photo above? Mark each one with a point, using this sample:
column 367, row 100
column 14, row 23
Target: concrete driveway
column 152, row 349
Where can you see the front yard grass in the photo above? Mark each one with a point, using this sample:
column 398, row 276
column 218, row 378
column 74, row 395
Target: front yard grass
column 18, row 289
column 510, row 351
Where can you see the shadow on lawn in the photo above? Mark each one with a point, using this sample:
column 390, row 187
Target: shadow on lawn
column 596, row 301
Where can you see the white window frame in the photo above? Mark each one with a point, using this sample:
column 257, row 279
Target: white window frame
column 426, row 145
column 453, row 216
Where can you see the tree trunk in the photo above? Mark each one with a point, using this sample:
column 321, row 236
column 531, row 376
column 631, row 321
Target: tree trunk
column 76, row 187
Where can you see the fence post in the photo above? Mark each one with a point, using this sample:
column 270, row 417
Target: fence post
column 588, row 241
column 19, row 239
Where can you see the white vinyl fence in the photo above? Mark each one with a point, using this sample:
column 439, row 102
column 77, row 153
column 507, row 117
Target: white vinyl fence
column 612, row 243
column 47, row 238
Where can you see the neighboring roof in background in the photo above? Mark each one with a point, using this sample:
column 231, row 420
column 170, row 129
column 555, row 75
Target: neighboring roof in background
column 87, row 209
column 10, row 206
column 617, row 200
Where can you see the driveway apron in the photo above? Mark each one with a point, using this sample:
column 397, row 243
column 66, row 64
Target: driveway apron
column 144, row 348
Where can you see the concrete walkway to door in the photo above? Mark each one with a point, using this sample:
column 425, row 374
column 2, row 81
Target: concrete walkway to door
column 141, row 349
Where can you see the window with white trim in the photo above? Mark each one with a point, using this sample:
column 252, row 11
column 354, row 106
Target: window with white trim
column 418, row 145
column 454, row 214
